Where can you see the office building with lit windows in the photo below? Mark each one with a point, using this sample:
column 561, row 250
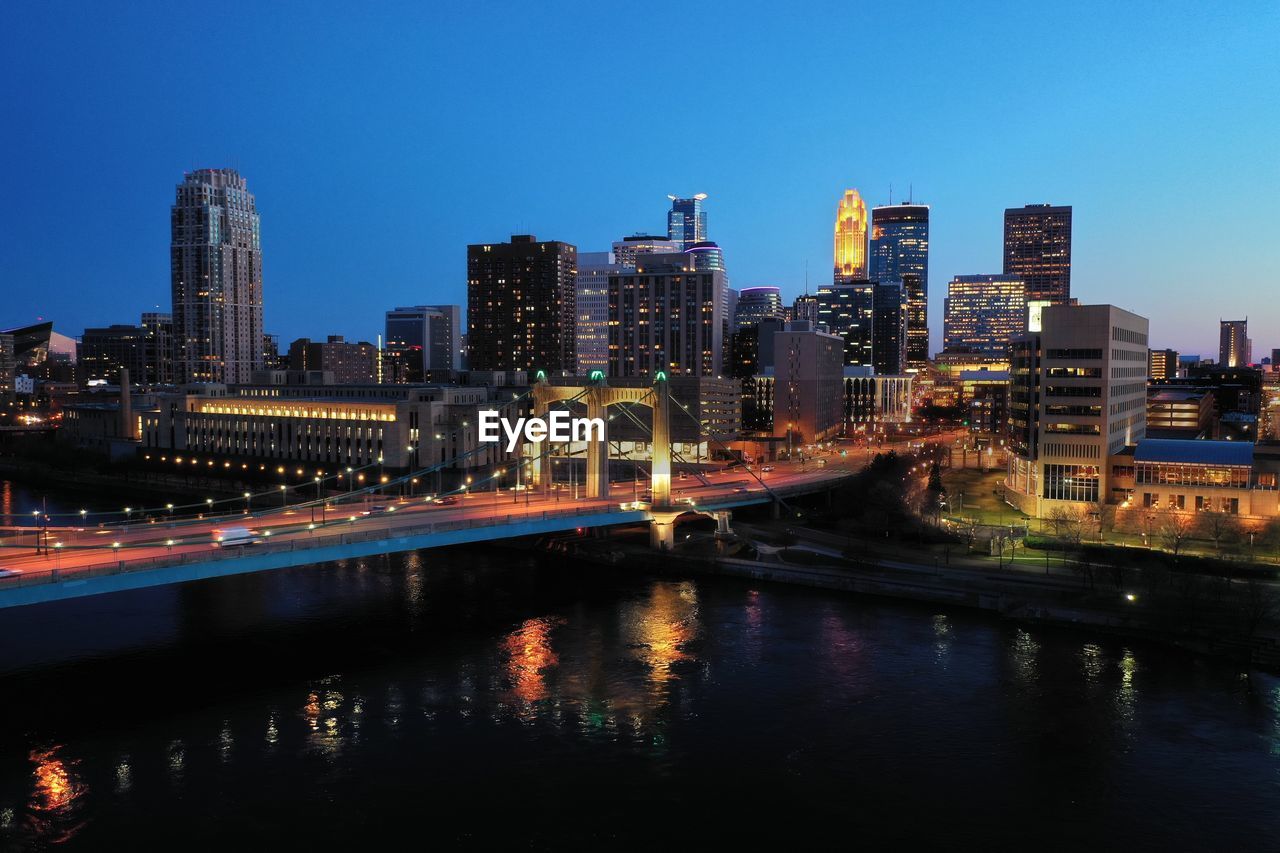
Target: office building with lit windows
column 847, row 309
column 215, row 259
column 626, row 250
column 982, row 313
column 666, row 316
column 756, row 304
column 521, row 305
column 900, row 252
column 808, row 386
column 1078, row 397
column 889, row 332
column 592, row 328
column 424, row 338
column 1037, row 250
column 851, row 238
column 1234, row 346
column 687, row 221
column 1162, row 365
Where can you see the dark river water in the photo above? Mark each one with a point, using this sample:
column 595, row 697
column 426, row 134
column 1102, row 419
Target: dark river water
column 492, row 697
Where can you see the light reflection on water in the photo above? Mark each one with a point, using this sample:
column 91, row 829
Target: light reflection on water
column 637, row 683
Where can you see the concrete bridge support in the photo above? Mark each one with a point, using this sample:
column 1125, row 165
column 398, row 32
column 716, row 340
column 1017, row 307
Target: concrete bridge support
column 723, row 530
column 662, row 530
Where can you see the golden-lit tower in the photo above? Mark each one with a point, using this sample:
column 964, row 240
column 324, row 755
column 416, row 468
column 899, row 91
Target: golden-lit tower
column 851, row 237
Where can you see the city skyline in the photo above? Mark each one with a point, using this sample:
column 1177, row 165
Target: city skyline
column 1126, row 166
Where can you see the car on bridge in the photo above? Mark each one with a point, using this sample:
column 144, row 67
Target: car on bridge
column 227, row 537
column 9, row 573
column 445, row 500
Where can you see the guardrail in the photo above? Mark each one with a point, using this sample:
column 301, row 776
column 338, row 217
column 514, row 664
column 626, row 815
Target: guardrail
column 305, row 541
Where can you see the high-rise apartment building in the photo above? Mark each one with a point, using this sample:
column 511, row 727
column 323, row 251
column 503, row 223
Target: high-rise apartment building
column 1162, row 365
column 889, row 332
column 847, row 309
column 851, row 238
column 1234, row 346
column 666, row 316
column 424, row 338
column 1037, row 250
column 350, row 364
column 900, row 252
column 1078, row 396
column 806, row 308
column 521, row 305
column 592, row 327
column 687, row 221
column 982, row 313
column 216, row 278
column 808, row 386
column 145, row 350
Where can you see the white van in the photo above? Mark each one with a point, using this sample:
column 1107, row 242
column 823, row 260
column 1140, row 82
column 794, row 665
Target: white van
column 228, row 536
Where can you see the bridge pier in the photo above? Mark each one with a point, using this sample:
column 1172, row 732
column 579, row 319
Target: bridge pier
column 661, row 471
column 598, row 451
column 662, row 529
column 722, row 516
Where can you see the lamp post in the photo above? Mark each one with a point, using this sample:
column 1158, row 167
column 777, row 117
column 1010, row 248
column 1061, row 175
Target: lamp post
column 319, row 501
column 246, row 503
column 284, row 492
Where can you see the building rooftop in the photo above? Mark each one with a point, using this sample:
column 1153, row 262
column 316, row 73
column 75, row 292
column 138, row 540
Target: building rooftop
column 1193, row 452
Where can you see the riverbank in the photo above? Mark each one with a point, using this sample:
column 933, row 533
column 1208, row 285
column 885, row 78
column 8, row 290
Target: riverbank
column 1229, row 623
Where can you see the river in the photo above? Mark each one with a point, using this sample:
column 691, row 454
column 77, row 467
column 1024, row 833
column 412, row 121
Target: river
column 483, row 697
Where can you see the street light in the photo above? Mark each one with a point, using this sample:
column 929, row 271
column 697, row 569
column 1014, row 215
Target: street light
column 283, row 495
column 246, row 503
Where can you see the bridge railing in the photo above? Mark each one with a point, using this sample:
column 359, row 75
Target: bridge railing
column 309, row 541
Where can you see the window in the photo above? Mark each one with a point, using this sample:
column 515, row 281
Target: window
column 1071, row 483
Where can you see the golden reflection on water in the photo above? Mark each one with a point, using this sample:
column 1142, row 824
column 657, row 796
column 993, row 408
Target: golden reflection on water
column 658, row 629
column 529, row 653
column 55, row 796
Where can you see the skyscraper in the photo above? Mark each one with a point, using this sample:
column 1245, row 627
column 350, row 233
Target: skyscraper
column 982, row 313
column 900, row 252
column 592, row 331
column 847, row 310
column 626, row 250
column 851, row 238
column 426, row 337
column 216, row 278
column 666, row 316
column 687, row 221
column 1233, row 343
column 889, row 328
column 756, row 304
column 1037, row 250
column 521, row 305
column 806, row 308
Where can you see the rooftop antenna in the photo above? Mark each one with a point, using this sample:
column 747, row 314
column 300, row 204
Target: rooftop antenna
column 806, row 276
column 891, row 193
column 911, row 193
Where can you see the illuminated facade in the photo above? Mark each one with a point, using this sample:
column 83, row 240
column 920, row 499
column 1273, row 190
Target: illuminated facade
column 1037, row 250
column 1077, row 398
column 1234, row 346
column 521, row 305
column 592, row 327
column 851, row 238
column 847, row 309
column 982, row 313
column 1162, row 365
column 900, row 252
column 216, row 278
column 626, row 250
column 687, row 221
column 666, row 316
column 756, row 304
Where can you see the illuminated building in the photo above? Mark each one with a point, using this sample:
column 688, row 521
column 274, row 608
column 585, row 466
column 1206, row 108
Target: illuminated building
column 1037, row 250
column 889, row 328
column 666, row 316
column 851, row 238
column 847, row 309
column 521, row 306
column 1234, row 346
column 626, row 250
column 805, row 308
column 808, row 388
column 982, row 312
column 687, row 221
column 900, row 252
column 349, row 364
column 1179, row 412
column 592, row 327
column 145, row 350
column 1077, row 398
column 756, row 304
column 216, row 278
column 424, row 338
column 1162, row 365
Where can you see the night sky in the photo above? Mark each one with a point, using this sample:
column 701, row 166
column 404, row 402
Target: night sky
column 379, row 144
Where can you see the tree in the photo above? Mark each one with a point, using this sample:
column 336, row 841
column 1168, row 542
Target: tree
column 1174, row 530
column 1218, row 526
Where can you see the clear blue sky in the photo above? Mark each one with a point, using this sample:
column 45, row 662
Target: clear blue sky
column 379, row 143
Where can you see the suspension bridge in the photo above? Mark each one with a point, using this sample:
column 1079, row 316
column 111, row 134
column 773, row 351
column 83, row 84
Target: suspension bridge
column 85, row 553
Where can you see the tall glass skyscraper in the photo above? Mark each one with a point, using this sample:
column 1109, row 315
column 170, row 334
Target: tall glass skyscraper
column 687, row 221
column 215, row 259
column 900, row 253
column 1037, row 249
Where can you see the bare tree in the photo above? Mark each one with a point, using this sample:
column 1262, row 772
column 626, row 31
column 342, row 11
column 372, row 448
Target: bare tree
column 1220, row 527
column 1175, row 529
